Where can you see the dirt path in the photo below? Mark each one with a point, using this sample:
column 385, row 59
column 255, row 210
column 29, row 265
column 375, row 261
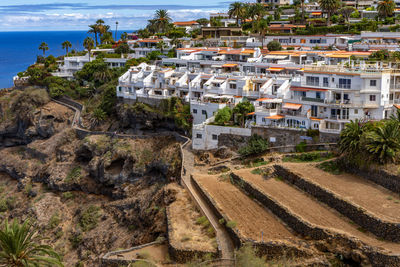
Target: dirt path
column 368, row 195
column 311, row 210
column 252, row 220
column 225, row 242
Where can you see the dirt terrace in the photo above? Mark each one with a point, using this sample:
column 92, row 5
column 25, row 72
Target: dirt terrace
column 185, row 233
column 251, row 219
column 311, row 210
column 368, row 195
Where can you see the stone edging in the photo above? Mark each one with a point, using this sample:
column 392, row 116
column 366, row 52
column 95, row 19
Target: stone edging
column 180, row 255
column 387, row 230
column 376, row 257
column 270, row 249
column 106, row 261
column 381, row 177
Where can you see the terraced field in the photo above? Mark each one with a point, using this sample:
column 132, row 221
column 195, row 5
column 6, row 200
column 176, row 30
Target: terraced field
column 375, row 199
column 252, row 220
column 312, row 211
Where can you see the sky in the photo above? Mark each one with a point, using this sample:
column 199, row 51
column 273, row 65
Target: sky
column 53, row 15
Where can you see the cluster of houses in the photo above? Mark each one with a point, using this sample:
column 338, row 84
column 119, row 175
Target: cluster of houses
column 320, row 90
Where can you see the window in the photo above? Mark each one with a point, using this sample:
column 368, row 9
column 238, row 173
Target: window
column 199, row 136
column 214, row 137
column 313, row 81
column 372, row 97
column 232, row 85
column 344, row 83
column 325, row 82
column 372, row 82
column 204, row 112
column 318, row 95
column 120, row 88
column 194, row 111
column 356, row 111
column 263, row 120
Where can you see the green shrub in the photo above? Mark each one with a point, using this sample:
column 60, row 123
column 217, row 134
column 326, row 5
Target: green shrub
column 76, row 239
column 89, row 218
column 223, row 116
column 54, row 221
column 3, row 205
column 246, row 256
column 231, row 224
column 274, row 46
column 331, row 167
column 67, row 195
column 301, row 147
column 255, row 145
column 74, row 175
column 11, row 203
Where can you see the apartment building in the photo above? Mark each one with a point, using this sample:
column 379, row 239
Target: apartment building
column 274, row 2
column 142, row 47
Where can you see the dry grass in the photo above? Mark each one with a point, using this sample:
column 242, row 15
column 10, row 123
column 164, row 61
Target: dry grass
column 187, row 233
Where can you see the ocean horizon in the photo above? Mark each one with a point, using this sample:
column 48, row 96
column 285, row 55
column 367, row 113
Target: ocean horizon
column 19, row 49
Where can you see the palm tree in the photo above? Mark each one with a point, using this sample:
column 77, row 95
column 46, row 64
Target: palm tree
column 262, row 29
column 236, row 10
column 44, row 47
column 386, row 8
column 302, row 11
column 124, row 36
column 107, row 38
column 161, row 45
column 88, row 43
column 396, row 117
column 329, row 7
column 20, row 246
column 94, row 28
column 384, row 142
column 162, row 19
column 351, row 137
column 66, row 45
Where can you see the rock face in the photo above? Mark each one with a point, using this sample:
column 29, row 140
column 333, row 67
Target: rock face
column 124, row 178
column 28, row 115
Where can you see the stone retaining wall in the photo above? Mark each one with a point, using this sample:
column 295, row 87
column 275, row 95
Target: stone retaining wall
column 269, row 249
column 180, row 255
column 387, row 230
column 378, row 176
column 306, row 229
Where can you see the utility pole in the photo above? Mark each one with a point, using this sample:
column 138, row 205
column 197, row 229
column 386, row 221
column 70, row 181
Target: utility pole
column 116, row 30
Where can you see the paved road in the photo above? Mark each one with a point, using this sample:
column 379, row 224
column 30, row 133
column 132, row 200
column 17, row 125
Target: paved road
column 224, row 240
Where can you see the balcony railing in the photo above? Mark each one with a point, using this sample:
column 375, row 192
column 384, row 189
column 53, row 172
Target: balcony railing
column 312, row 99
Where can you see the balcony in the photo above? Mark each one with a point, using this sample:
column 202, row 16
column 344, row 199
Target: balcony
column 312, row 99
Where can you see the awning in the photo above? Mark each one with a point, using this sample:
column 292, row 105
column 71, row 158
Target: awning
column 251, row 113
column 315, row 119
column 275, row 117
column 338, row 56
column 275, row 56
column 229, row 65
column 306, row 89
column 396, row 106
column 275, row 69
column 292, row 106
column 316, row 13
column 262, row 99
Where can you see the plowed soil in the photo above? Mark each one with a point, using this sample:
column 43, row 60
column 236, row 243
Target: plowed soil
column 310, row 210
column 368, row 195
column 252, row 220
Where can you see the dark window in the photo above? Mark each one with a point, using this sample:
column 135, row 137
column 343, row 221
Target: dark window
column 372, row 97
column 372, row 83
column 344, row 83
column 215, row 137
column 204, row 112
column 313, row 81
column 199, row 136
column 194, row 111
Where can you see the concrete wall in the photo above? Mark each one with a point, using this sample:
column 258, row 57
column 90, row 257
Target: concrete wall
column 338, row 241
column 386, row 230
column 206, row 137
column 283, row 137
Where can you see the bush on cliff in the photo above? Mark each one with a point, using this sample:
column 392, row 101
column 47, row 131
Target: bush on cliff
column 255, row 145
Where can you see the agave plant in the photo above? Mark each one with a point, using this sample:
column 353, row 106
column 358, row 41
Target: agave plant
column 20, row 247
column 384, row 142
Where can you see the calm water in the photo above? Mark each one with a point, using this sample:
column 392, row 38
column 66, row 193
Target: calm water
column 18, row 50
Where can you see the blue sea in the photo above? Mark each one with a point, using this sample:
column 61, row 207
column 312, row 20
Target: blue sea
column 18, row 50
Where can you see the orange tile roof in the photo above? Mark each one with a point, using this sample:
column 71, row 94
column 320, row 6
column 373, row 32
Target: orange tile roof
column 275, row 117
column 396, row 106
column 251, row 113
column 275, row 69
column 186, row 23
column 149, row 41
column 229, row 65
column 315, row 119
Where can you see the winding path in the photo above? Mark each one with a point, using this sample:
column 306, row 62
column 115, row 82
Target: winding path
column 224, row 241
